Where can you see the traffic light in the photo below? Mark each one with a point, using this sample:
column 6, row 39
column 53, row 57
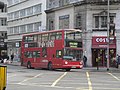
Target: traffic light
column 112, row 30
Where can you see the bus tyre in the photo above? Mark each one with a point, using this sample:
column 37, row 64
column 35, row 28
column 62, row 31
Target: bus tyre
column 68, row 69
column 29, row 65
column 50, row 66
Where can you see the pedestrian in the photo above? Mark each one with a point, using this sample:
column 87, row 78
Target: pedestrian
column 12, row 57
column 118, row 61
column 97, row 62
column 85, row 60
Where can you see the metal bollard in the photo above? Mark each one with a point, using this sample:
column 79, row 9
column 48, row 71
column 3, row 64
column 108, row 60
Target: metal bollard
column 3, row 77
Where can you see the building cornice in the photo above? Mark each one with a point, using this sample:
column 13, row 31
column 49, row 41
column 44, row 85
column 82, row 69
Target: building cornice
column 97, row 2
column 58, row 8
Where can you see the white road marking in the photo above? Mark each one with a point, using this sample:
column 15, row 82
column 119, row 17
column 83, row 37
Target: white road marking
column 12, row 76
column 82, row 88
column 89, row 82
column 29, row 78
column 54, row 83
column 39, row 85
column 114, row 76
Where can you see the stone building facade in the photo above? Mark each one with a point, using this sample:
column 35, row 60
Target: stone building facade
column 91, row 17
column 24, row 16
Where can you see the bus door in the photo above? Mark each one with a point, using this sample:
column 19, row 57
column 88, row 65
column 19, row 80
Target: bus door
column 44, row 55
column 36, row 58
column 55, row 57
column 58, row 58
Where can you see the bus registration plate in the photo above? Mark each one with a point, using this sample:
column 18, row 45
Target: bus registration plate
column 73, row 66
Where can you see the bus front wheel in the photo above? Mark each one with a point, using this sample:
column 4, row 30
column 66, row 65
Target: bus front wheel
column 67, row 69
column 29, row 65
column 50, row 66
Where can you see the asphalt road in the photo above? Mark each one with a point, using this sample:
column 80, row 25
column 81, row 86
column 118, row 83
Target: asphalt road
column 20, row 78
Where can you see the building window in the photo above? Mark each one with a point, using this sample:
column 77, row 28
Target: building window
column 100, row 19
column 100, row 22
column 22, row 29
column 36, row 26
column 10, row 2
column 37, row 8
column 10, row 30
column 29, row 11
column 51, row 24
column 16, row 15
column 16, row 30
column 30, row 28
column 10, row 16
column 61, row 2
column 103, row 21
column 64, row 22
column 78, row 21
column 3, row 21
column 22, row 13
column 96, row 22
column 16, row 1
column 66, row 2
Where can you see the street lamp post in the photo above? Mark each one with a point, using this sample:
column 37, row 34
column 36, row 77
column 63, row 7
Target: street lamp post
column 108, row 24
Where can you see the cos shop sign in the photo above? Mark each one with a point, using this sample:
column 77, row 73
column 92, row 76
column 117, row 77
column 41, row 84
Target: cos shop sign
column 99, row 40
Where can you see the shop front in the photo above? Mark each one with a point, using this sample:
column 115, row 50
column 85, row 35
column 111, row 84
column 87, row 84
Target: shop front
column 99, row 49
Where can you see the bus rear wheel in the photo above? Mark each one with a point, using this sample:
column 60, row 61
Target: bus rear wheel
column 50, row 66
column 29, row 65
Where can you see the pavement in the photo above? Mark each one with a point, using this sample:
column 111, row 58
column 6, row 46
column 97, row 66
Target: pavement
column 90, row 69
column 14, row 63
column 102, row 69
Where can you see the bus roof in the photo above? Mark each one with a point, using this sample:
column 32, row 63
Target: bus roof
column 59, row 30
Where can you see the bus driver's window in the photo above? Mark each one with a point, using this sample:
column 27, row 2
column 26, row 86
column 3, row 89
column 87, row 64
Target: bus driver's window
column 59, row 53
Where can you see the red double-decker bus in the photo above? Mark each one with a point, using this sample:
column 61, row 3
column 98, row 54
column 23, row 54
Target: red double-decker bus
column 56, row 49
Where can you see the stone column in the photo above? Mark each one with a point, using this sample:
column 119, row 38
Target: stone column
column 87, row 44
column 118, row 41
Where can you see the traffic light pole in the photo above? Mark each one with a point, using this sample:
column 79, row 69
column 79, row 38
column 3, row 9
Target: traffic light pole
column 108, row 24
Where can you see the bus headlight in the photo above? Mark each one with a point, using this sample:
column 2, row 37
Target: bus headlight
column 81, row 62
column 66, row 62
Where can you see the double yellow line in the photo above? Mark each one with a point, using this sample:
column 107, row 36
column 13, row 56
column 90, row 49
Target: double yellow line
column 89, row 81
